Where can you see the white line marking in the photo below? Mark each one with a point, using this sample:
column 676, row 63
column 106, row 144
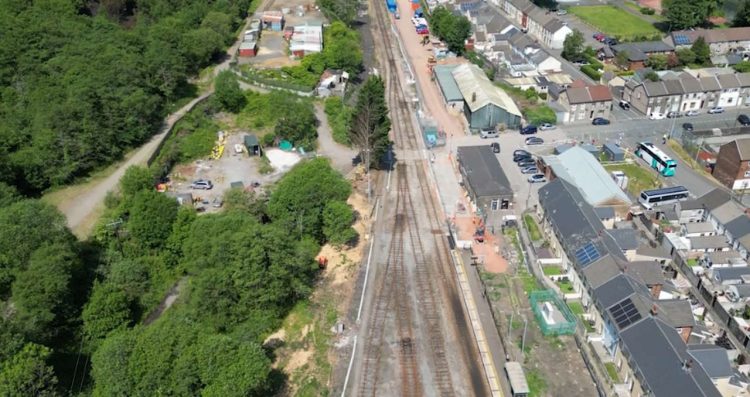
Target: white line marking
column 369, row 257
column 349, row 370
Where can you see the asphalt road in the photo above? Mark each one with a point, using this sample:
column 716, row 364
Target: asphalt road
column 630, row 127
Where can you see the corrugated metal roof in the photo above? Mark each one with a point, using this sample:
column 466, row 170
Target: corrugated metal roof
column 580, row 168
column 478, row 91
column 444, row 76
column 516, row 377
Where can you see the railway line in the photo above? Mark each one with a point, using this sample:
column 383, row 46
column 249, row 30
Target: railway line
column 416, row 340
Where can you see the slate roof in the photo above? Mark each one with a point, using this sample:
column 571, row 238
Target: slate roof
column 605, row 212
column 699, row 227
column 601, row 271
column 714, row 199
column 710, row 83
column 727, row 212
column 677, row 312
column 588, row 94
column 647, row 272
column 554, row 25
column 722, row 257
column 728, row 81
column 448, row 86
column 711, row 36
column 691, row 204
column 721, row 274
column 739, row 227
column 713, row 359
column 627, row 239
column 708, row 242
column 743, row 147
column 660, row 354
column 483, row 171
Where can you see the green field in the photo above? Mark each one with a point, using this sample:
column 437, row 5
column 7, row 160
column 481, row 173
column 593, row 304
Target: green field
column 614, row 21
column 640, row 178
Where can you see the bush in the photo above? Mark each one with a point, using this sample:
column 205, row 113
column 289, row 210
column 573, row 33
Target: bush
column 543, row 96
column 591, row 72
column 339, row 117
column 540, row 114
column 647, row 11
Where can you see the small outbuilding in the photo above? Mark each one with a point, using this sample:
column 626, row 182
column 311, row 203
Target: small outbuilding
column 485, row 181
column 183, row 199
column 273, row 20
column 248, row 49
column 613, row 152
column 591, row 149
column 519, row 387
column 252, row 145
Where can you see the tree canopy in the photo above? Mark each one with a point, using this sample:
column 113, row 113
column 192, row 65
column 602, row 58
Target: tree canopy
column 742, row 17
column 228, row 93
column 685, row 14
column 451, row 28
column 371, row 123
column 573, row 46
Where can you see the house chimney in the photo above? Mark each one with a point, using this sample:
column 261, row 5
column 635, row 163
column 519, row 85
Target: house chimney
column 687, row 365
column 654, row 310
column 473, row 97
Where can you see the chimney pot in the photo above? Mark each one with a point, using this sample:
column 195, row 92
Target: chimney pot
column 473, row 97
column 654, row 310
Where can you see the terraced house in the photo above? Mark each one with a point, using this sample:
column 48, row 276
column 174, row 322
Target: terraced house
column 684, row 92
column 536, row 21
column 643, row 337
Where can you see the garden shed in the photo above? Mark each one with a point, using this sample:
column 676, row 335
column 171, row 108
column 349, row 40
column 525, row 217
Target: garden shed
column 613, row 152
column 252, row 145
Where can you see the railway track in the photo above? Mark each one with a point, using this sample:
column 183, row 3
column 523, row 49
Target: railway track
column 393, row 297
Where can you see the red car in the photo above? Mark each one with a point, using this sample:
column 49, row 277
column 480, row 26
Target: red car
column 599, row 37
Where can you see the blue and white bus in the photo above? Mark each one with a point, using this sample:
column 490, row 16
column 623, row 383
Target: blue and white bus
column 657, row 159
column 668, row 195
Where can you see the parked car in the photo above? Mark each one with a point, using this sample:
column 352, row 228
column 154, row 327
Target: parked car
column 488, row 133
column 599, row 37
column 526, row 163
column 547, row 126
column 600, row 121
column 530, row 170
column 743, row 119
column 716, row 110
column 674, row 115
column 534, row 140
column 657, row 116
column 691, row 113
column 495, row 147
column 203, row 184
column 687, row 127
column 536, row 178
column 625, row 105
column 521, row 152
column 562, row 12
column 610, row 41
column 522, row 157
column 529, row 129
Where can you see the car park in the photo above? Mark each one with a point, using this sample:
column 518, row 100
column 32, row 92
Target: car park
column 534, row 140
column 716, row 110
column 547, row 126
column 530, row 170
column 625, row 105
column 537, row 178
column 529, row 129
column 600, row 121
column 687, row 127
column 495, row 147
column 674, row 115
column 743, row 119
column 488, row 133
column 202, row 184
column 657, row 116
column 691, row 113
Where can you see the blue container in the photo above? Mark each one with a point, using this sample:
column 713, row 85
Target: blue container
column 392, row 7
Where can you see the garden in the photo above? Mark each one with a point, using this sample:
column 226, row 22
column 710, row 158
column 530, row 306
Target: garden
column 639, row 178
column 616, row 22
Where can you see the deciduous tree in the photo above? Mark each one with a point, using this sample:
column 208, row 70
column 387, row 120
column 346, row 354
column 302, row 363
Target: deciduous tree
column 28, row 374
column 337, row 223
column 573, row 46
column 702, row 51
column 228, row 92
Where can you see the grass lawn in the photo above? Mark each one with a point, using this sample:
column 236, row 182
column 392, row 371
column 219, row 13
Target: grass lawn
column 612, row 372
column 537, row 383
column 552, row 270
column 640, row 178
column 614, row 21
column 528, row 281
column 686, row 158
column 692, row 262
column 575, row 307
column 566, row 287
column 532, row 227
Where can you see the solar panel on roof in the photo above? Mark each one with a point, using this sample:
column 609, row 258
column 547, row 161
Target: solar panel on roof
column 625, row 313
column 587, row 254
column 668, row 190
column 681, row 39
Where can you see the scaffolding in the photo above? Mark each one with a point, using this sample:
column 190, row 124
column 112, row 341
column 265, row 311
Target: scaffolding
column 552, row 314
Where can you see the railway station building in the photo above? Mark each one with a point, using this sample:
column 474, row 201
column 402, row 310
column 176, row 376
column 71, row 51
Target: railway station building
column 486, row 183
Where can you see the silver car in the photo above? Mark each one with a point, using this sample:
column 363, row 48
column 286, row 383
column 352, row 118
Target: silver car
column 537, row 178
column 546, row 126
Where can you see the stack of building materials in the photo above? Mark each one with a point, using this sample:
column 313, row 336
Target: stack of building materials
column 306, row 39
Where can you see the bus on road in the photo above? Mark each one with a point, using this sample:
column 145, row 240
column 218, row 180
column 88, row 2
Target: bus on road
column 657, row 159
column 668, row 195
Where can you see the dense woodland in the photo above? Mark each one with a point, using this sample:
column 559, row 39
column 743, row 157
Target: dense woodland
column 83, row 80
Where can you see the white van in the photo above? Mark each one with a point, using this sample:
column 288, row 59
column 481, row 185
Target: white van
column 488, row 133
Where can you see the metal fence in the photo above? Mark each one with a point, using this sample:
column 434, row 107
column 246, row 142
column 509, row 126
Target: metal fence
column 537, row 299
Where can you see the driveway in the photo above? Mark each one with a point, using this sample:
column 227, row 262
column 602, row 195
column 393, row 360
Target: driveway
column 340, row 155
